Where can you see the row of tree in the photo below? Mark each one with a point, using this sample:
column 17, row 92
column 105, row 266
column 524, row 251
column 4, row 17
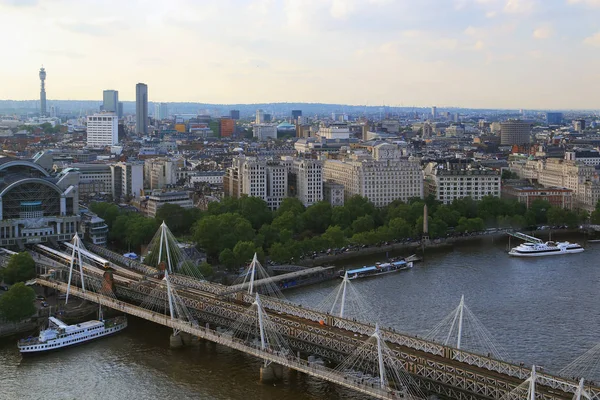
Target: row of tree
column 232, row 230
column 18, row 303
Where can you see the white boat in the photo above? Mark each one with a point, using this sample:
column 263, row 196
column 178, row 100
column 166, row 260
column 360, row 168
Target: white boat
column 59, row 334
column 378, row 269
column 529, row 249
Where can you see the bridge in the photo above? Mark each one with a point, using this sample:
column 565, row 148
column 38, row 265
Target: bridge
column 436, row 368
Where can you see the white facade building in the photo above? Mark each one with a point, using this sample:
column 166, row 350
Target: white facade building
column 335, row 131
column 381, row 179
column 102, row 130
column 265, row 131
column 451, row 181
column 588, row 157
column 158, row 199
column 309, row 180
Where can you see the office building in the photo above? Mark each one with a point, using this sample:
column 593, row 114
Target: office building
column 227, row 127
column 141, row 108
column 558, row 197
column 102, row 130
column 579, row 125
column 451, row 180
column 335, row 131
column 260, row 117
column 160, row 173
column 234, row 114
column 333, row 193
column 264, row 131
column 382, row 177
column 267, row 118
column 554, row 118
column 42, row 91
column 275, row 179
column 308, row 175
column 582, row 179
column 296, row 114
column 434, row 112
column 158, row 199
column 515, row 132
column 588, row 157
column 120, row 110
column 161, row 111
column 110, row 101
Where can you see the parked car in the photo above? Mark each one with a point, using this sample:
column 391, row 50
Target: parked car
column 40, row 297
column 44, row 304
column 4, row 287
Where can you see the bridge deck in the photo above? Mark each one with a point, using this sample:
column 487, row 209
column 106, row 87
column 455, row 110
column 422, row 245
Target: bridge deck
column 203, row 333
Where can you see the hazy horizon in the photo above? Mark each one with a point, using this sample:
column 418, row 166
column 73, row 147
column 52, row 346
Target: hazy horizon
column 486, row 54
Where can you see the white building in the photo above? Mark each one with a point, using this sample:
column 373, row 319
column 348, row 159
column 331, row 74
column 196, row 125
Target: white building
column 582, row 179
column 102, row 130
column 160, row 173
column 260, row 117
column 333, row 193
column 309, row 180
column 588, row 157
column 381, row 178
column 335, row 131
column 265, row 131
column 451, row 181
column 158, row 199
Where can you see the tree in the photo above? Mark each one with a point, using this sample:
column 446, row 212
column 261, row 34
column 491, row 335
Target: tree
column 243, row 252
column 286, row 220
column 292, row 204
column 399, row 228
column 341, row 217
column 18, row 303
column 317, row 217
column 363, row 224
column 20, row 268
column 206, row 269
column 334, row 235
column 177, row 218
column 217, row 232
column 280, row 253
column 227, row 259
column 107, row 211
column 508, row 174
column 255, row 210
column 539, row 209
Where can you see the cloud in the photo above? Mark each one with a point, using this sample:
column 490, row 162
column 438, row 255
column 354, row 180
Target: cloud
column 94, row 27
column 543, row 32
column 19, row 3
column 590, row 3
column 593, row 40
column 479, row 45
column 520, row 6
column 64, row 53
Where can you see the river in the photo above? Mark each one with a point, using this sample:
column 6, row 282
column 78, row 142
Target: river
column 541, row 310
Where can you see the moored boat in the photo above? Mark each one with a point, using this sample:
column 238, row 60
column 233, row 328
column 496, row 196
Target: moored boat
column 545, row 249
column 59, row 335
column 378, row 269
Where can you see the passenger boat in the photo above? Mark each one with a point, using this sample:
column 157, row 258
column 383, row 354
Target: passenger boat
column 545, row 249
column 59, row 334
column 378, row 269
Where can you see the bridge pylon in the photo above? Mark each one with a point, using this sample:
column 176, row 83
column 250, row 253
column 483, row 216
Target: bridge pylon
column 77, row 245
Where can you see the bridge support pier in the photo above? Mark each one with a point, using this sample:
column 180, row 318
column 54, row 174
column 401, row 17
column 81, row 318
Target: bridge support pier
column 175, row 341
column 271, row 373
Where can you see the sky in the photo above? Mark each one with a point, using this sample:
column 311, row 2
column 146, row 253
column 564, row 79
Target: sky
column 530, row 54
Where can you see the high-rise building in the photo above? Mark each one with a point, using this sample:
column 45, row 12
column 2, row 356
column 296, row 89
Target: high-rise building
column 161, row 111
column 579, row 125
column 260, row 117
column 267, row 118
column 141, row 108
column 102, row 130
column 309, row 180
column 434, row 112
column 515, row 132
column 296, row 114
column 234, row 114
column 42, row 91
column 110, row 101
column 120, row 110
column 554, row 118
column 227, row 127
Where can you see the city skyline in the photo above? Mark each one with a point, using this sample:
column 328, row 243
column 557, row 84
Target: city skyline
column 465, row 53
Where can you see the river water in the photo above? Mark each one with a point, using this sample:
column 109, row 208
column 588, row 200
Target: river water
column 541, row 310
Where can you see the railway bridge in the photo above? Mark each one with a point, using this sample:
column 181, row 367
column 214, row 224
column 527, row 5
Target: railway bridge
column 436, row 368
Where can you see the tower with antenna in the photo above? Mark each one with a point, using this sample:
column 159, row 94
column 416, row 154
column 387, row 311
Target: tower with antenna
column 42, row 91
